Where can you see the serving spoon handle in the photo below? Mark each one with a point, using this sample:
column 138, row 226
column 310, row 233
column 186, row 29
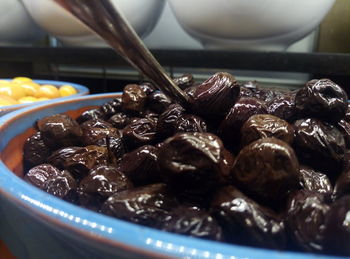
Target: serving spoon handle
column 104, row 18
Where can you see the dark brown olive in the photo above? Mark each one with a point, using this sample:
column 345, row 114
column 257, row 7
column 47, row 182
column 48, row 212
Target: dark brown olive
column 115, row 145
column 267, row 169
column 265, row 95
column 245, row 92
column 151, row 116
column 110, row 108
column 264, row 126
column 344, row 127
column 192, row 162
column 79, row 160
column 193, row 222
column 337, row 230
column 147, row 87
column 245, row 222
column 40, row 174
column 314, row 181
column 306, row 215
column 101, row 183
column 63, row 186
column 35, row 150
column 319, row 144
column 158, row 102
column 141, row 165
column 215, row 96
column 95, row 123
column 347, row 114
column 342, row 185
column 59, row 127
column 167, row 122
column 191, row 123
column 191, row 90
column 283, row 106
column 140, row 132
column 148, row 205
column 322, row 99
column 133, row 98
column 92, row 135
column 184, row 81
column 230, row 127
column 119, row 120
column 89, row 115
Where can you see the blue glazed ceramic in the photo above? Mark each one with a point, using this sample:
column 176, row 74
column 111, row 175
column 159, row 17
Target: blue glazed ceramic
column 36, row 225
column 81, row 90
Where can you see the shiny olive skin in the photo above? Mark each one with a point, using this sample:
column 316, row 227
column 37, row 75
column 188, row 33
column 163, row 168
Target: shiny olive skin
column 35, row 151
column 193, row 222
column 147, row 88
column 89, row 115
column 115, row 146
column 283, row 106
column 59, row 127
column 167, row 122
column 40, row 174
column 337, row 228
column 191, row 90
column 344, row 127
column 51, row 180
column 138, row 133
column 63, row 186
column 92, row 135
column 266, row 169
column 251, row 84
column 243, row 109
column 141, row 165
column 319, row 144
column 322, row 99
column 191, row 123
column 79, row 160
column 264, row 126
column 147, row 205
column 265, row 95
column 184, row 81
column 119, row 120
column 347, row 114
column 193, row 162
column 342, row 185
column 245, row 92
column 133, row 98
column 215, row 96
column 110, row 108
column 95, row 123
column 243, row 221
column 101, row 183
column 306, row 215
column 158, row 102
column 314, row 181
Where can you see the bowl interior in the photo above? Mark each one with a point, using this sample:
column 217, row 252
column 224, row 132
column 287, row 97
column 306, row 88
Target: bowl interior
column 87, row 225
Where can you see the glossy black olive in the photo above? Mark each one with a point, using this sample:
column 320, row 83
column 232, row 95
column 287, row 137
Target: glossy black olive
column 35, row 151
column 133, row 98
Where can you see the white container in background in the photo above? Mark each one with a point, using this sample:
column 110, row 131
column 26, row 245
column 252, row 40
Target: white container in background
column 142, row 15
column 16, row 25
column 247, row 25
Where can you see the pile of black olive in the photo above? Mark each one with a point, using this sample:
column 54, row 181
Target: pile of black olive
column 243, row 164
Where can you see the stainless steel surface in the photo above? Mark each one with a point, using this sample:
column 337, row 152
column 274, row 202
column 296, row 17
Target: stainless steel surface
column 104, row 18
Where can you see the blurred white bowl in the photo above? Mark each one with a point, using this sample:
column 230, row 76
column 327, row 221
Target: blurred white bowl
column 17, row 27
column 253, row 24
column 142, row 15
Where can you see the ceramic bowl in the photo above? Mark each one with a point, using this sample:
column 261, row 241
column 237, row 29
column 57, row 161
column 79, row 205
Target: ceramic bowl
column 17, row 27
column 254, row 24
column 36, row 225
column 142, row 15
column 82, row 90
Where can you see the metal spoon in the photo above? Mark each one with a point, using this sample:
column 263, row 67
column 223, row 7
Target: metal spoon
column 108, row 22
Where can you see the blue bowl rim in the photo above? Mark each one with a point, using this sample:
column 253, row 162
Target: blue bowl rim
column 82, row 90
column 109, row 231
